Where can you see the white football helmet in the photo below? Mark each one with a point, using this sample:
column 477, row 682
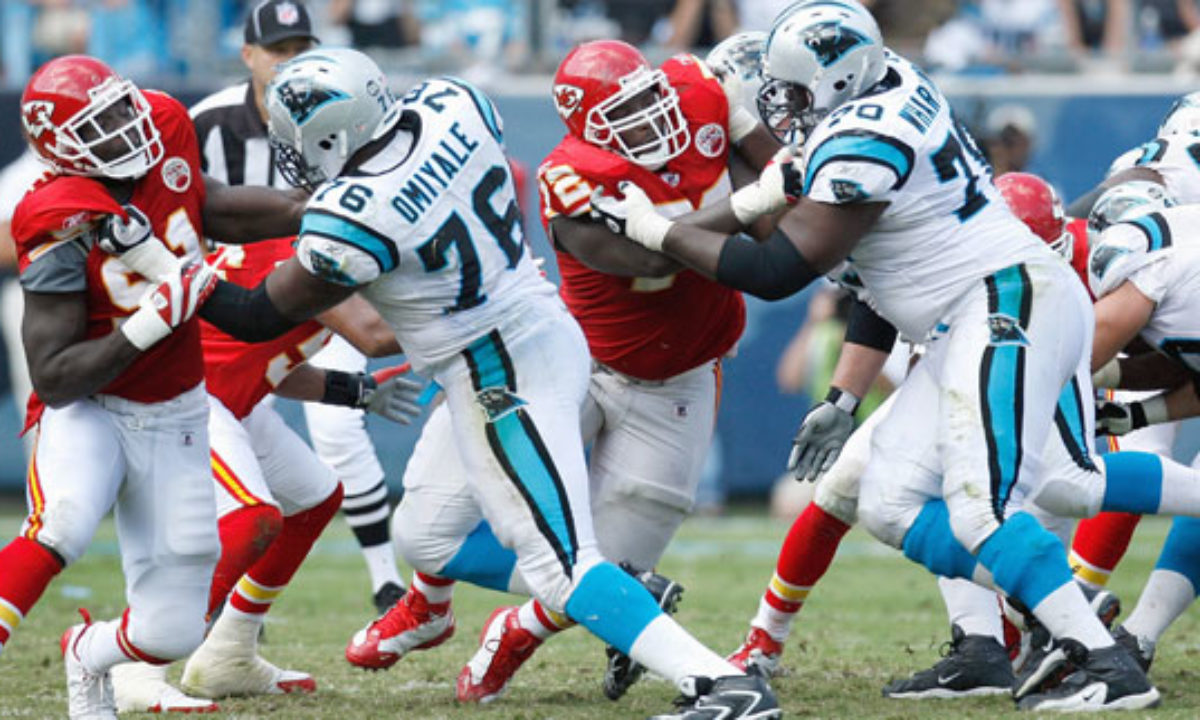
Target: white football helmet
column 1183, row 117
column 323, row 106
column 740, row 56
column 1125, row 202
column 820, row 54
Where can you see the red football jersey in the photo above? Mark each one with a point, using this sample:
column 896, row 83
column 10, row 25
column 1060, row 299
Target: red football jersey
column 60, row 208
column 240, row 374
column 1079, row 250
column 650, row 328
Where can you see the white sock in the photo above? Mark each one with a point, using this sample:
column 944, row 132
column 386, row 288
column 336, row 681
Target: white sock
column 381, row 565
column 540, row 621
column 99, row 649
column 1166, row 596
column 436, row 594
column 1066, row 613
column 667, row 649
column 972, row 608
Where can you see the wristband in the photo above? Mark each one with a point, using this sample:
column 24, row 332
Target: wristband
column 1151, row 411
column 347, row 389
column 145, row 327
column 752, row 202
column 1109, row 375
column 842, row 400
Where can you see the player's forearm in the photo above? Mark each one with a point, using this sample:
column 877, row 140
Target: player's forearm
column 246, row 314
column 1183, row 402
column 857, row 367
column 81, row 369
column 247, row 213
column 305, row 383
column 356, row 321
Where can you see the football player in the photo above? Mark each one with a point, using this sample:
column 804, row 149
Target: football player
column 416, row 210
column 656, row 331
column 274, row 496
column 115, row 360
column 889, row 174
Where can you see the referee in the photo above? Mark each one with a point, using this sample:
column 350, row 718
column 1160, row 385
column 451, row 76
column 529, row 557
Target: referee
column 232, row 128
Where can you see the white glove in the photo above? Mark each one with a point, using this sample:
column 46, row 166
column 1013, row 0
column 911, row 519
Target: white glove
column 778, row 185
column 134, row 242
column 1117, row 419
column 169, row 305
column 822, row 434
column 633, row 216
column 388, row 393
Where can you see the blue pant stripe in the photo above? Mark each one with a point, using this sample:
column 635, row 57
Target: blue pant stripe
column 1068, row 418
column 1002, row 379
column 517, row 445
column 482, row 560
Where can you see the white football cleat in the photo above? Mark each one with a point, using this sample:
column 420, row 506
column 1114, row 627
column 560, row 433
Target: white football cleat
column 142, row 687
column 227, row 664
column 89, row 694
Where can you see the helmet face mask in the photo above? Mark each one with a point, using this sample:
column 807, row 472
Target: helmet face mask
column 323, row 106
column 819, row 55
column 609, row 96
column 84, row 119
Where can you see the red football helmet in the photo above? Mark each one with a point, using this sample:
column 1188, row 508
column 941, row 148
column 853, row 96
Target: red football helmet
column 84, row 119
column 608, row 95
column 1035, row 203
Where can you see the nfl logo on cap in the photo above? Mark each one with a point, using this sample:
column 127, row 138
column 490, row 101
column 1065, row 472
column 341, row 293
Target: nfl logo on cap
column 287, row 13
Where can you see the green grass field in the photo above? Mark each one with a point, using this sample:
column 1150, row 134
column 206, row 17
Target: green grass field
column 875, row 616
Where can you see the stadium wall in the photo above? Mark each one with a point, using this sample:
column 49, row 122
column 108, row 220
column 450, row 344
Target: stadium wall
column 1079, row 132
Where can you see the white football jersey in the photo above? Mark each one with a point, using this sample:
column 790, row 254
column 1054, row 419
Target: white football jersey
column 946, row 226
column 1168, row 273
column 429, row 226
column 1175, row 157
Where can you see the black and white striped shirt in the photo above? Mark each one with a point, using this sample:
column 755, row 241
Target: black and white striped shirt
column 233, row 138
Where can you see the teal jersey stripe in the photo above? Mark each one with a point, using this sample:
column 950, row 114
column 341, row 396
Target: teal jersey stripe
column 352, row 233
column 1158, row 236
column 872, row 148
column 482, row 103
column 1010, row 293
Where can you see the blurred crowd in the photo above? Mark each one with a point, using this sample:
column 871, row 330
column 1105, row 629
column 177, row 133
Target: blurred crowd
column 193, row 41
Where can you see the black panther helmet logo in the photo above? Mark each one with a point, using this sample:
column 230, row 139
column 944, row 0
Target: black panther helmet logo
column 830, row 41
column 303, row 100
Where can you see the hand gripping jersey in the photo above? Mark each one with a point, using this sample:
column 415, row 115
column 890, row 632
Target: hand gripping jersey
column 650, row 328
column 56, row 253
column 945, row 227
column 240, row 374
column 1166, row 266
column 429, row 225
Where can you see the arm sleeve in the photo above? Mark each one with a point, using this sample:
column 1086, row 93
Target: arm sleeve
column 246, row 314
column 771, row 270
column 866, row 327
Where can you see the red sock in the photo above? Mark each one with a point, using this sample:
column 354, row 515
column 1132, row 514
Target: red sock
column 263, row 582
column 1100, row 543
column 26, row 568
column 246, row 533
column 810, row 546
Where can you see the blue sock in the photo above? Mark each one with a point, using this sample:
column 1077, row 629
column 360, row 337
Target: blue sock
column 931, row 542
column 1026, row 560
column 612, row 605
column 1133, row 482
column 1181, row 551
column 482, row 560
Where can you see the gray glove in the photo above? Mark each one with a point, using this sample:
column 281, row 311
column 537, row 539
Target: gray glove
column 1117, row 419
column 822, row 433
column 389, row 393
